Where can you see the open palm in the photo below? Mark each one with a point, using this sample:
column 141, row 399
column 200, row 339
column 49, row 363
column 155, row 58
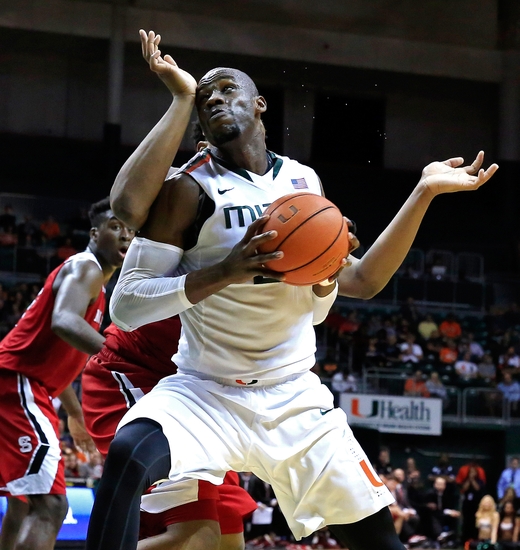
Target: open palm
column 178, row 81
column 450, row 176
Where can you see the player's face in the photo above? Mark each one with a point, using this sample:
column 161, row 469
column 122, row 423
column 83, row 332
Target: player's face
column 113, row 238
column 225, row 105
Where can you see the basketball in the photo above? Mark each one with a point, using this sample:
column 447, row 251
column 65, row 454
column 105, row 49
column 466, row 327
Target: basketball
column 312, row 234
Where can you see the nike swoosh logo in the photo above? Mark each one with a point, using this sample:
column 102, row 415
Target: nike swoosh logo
column 324, row 412
column 222, row 191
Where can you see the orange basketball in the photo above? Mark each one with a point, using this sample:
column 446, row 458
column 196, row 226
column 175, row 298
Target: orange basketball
column 312, row 234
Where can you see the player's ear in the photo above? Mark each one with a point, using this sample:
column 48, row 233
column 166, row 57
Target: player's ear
column 260, row 104
column 94, row 233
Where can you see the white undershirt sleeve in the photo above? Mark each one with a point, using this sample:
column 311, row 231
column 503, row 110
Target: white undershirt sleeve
column 147, row 291
column 322, row 305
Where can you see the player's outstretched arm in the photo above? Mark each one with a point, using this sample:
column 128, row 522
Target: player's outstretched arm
column 141, row 177
column 77, row 285
column 369, row 275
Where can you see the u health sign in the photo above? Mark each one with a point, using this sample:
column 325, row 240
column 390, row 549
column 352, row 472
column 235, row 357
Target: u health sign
column 388, row 413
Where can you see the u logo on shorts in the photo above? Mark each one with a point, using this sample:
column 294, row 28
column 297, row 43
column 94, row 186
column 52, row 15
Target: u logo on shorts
column 376, row 482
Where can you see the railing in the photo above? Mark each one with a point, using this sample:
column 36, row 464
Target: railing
column 463, row 405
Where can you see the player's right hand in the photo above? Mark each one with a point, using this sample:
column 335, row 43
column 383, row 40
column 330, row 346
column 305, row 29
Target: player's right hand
column 179, row 82
column 243, row 262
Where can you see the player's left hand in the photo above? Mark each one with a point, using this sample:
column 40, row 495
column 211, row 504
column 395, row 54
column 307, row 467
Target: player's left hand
column 82, row 439
column 450, row 176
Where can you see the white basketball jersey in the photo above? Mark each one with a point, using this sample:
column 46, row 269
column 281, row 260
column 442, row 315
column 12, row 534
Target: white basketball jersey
column 256, row 330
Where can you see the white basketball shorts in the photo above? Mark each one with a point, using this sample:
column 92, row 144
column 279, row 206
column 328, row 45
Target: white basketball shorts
column 288, row 434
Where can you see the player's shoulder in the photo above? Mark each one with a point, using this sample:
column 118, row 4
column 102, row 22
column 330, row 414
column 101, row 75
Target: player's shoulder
column 290, row 164
column 83, row 264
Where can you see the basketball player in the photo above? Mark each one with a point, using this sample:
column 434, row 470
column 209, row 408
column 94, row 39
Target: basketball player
column 39, row 359
column 244, row 398
column 129, row 366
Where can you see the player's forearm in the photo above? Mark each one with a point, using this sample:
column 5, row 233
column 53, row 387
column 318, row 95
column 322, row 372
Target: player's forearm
column 141, row 177
column 368, row 276
column 70, row 402
column 77, row 332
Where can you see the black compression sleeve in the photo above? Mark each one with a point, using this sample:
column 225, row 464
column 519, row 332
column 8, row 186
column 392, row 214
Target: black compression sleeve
column 138, row 456
column 374, row 532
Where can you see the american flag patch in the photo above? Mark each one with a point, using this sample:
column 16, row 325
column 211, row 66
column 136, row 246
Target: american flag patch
column 300, row 183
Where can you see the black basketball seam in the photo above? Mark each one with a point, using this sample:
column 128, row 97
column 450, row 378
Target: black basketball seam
column 304, row 222
column 319, row 255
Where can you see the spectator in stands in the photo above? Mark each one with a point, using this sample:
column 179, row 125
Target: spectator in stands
column 409, row 311
column 468, row 343
column 382, row 464
column 390, row 351
column 472, row 488
column 8, row 238
column 510, row 390
column 465, row 368
column 28, row 232
column 486, row 369
column 349, row 325
column 509, row 496
column 450, row 327
column 66, row 250
column 95, row 469
column 343, row 382
column 509, row 360
column 435, row 386
column 415, row 386
column 400, row 491
column 433, row 346
column 508, row 527
column 8, row 219
column 427, row 326
column 400, row 515
column 463, row 472
column 332, row 323
column 414, row 483
column 510, row 477
column 440, row 514
column 448, row 353
column 411, row 352
column 74, row 469
column 50, row 229
column 444, row 469
column 487, row 519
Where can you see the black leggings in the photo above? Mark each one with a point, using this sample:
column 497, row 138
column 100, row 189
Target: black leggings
column 138, row 456
column 376, row 532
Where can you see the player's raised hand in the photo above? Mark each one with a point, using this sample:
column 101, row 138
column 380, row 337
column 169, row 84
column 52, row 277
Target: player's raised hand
column 179, row 82
column 451, row 176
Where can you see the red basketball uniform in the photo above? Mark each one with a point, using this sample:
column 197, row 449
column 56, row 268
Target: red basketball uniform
column 35, row 366
column 129, row 366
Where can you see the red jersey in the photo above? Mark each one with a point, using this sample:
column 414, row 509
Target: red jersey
column 34, row 350
column 150, row 347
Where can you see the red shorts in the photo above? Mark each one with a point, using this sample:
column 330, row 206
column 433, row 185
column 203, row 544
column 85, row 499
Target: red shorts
column 111, row 386
column 30, row 456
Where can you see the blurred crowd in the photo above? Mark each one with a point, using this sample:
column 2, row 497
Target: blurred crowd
column 434, row 350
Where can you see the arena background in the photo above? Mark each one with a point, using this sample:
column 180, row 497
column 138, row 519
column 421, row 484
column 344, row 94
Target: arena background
column 365, row 91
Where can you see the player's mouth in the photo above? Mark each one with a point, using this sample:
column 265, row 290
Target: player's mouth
column 216, row 113
column 122, row 251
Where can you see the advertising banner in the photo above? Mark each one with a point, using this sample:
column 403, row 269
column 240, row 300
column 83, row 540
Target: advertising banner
column 75, row 524
column 389, row 413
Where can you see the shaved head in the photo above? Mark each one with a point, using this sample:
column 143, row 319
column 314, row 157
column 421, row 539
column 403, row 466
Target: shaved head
column 241, row 78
